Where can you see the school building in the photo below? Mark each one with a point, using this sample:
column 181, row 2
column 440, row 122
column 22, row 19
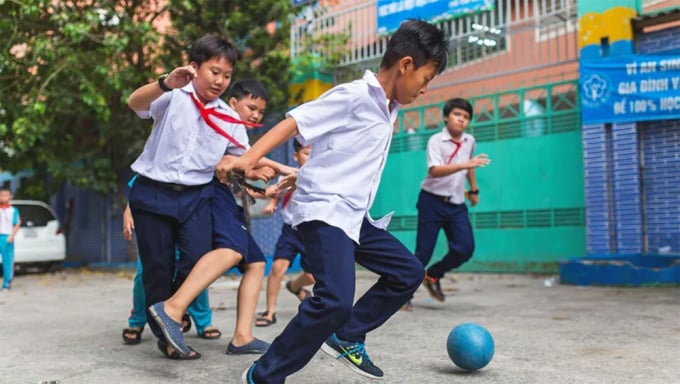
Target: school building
column 581, row 165
column 561, row 184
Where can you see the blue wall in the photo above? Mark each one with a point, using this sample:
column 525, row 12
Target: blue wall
column 632, row 176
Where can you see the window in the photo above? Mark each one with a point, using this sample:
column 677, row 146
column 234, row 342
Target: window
column 34, row 215
column 476, row 36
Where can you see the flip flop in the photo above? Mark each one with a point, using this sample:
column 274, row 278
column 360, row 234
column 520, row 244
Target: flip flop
column 163, row 347
column 211, row 333
column 132, row 340
column 172, row 330
column 263, row 321
column 306, row 292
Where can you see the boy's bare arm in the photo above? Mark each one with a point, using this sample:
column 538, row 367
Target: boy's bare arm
column 472, row 182
column 15, row 229
column 279, row 134
column 141, row 98
column 281, row 169
column 448, row 169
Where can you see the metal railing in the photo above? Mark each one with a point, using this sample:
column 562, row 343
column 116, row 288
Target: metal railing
column 516, row 35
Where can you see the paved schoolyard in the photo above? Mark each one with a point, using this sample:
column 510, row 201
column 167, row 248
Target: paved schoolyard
column 65, row 328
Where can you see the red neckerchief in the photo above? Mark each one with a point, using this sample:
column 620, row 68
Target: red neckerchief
column 458, row 145
column 286, row 199
column 207, row 112
column 3, row 206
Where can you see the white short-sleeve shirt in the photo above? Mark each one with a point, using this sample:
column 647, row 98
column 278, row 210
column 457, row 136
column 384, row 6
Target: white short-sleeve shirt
column 440, row 149
column 350, row 129
column 286, row 211
column 182, row 148
column 9, row 217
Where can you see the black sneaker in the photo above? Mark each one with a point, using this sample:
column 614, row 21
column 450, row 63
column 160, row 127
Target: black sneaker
column 353, row 355
column 434, row 288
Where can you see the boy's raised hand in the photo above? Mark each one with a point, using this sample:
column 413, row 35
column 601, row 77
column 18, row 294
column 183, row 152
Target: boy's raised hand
column 180, row 76
column 480, row 160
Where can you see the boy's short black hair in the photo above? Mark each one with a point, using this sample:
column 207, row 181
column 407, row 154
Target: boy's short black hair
column 297, row 146
column 209, row 47
column 420, row 40
column 460, row 103
column 248, row 87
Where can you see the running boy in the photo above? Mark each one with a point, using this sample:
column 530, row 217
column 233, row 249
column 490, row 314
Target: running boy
column 350, row 128
column 441, row 203
column 10, row 222
column 288, row 246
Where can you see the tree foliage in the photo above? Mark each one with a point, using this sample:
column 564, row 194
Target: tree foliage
column 65, row 72
column 67, row 68
column 259, row 29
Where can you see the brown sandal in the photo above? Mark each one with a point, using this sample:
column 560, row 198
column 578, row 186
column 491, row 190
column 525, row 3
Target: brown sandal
column 132, row 336
column 302, row 291
column 263, row 321
column 211, row 333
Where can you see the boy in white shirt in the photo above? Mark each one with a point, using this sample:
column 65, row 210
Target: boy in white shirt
column 441, row 203
column 350, row 130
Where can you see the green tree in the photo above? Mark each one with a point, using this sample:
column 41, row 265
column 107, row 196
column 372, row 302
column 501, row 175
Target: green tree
column 65, row 73
column 260, row 30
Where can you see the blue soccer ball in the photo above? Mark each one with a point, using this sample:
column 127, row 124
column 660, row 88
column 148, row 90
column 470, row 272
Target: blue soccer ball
column 470, row 346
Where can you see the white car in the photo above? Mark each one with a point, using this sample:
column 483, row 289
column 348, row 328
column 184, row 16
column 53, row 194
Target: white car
column 40, row 241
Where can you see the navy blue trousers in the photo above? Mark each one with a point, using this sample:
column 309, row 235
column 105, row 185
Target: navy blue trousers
column 433, row 215
column 164, row 218
column 331, row 257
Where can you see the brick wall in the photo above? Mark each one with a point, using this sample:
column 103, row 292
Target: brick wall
column 621, row 200
column 661, row 145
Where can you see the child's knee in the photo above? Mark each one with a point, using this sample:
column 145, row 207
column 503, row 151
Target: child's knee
column 257, row 267
column 279, row 267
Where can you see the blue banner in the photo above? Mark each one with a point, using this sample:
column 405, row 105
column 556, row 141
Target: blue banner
column 630, row 88
column 392, row 12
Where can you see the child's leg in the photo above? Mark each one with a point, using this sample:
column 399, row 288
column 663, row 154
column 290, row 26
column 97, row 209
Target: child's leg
column 429, row 224
column 137, row 317
column 278, row 270
column 211, row 266
column 400, row 275
column 7, row 261
column 458, row 232
column 200, row 311
column 302, row 280
column 157, row 253
column 252, row 267
column 331, row 260
column 248, row 293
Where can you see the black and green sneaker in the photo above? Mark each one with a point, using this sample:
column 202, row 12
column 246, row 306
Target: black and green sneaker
column 353, row 354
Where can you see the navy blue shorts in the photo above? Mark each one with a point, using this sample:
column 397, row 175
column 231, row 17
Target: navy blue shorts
column 289, row 245
column 228, row 230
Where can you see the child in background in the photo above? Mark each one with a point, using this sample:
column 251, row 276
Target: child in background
column 441, row 204
column 10, row 222
column 288, row 246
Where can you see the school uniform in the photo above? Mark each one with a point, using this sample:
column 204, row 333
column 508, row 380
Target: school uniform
column 9, row 218
column 229, row 227
column 441, row 204
column 170, row 200
column 289, row 243
column 350, row 130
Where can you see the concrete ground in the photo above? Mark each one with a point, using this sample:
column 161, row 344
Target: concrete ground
column 65, row 328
